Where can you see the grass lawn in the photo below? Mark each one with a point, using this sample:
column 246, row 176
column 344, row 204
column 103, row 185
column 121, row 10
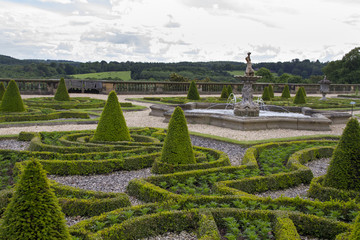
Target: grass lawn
column 117, row 75
column 237, row 72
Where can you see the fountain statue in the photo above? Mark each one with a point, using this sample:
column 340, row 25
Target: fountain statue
column 324, row 87
column 247, row 107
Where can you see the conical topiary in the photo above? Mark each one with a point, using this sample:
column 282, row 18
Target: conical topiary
column 112, row 124
column 271, row 91
column 266, row 96
column 2, row 90
column 224, row 92
column 355, row 233
column 344, row 169
column 303, row 89
column 229, row 90
column 34, row 211
column 286, row 92
column 62, row 92
column 300, row 97
column 193, row 93
column 11, row 101
column 177, row 148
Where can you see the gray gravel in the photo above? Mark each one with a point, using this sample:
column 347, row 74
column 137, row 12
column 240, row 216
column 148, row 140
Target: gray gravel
column 234, row 151
column 174, row 236
column 13, row 144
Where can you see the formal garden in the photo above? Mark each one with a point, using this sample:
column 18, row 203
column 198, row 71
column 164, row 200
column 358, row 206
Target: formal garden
column 183, row 188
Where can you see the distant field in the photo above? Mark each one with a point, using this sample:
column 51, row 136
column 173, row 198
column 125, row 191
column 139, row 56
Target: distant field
column 237, row 72
column 123, row 75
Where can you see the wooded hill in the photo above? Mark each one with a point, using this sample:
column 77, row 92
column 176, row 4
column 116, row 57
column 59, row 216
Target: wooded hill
column 296, row 71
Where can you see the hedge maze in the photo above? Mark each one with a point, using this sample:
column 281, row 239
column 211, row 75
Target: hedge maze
column 205, row 194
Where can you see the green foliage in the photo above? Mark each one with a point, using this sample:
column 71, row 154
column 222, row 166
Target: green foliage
column 33, row 212
column 286, row 92
column 303, row 89
column 229, row 89
column 2, row 90
column 271, row 91
column 344, row 168
column 266, row 95
column 177, row 148
column 224, row 92
column 193, row 93
column 355, row 233
column 112, row 124
column 62, row 92
column 11, row 101
column 300, row 97
column 265, row 74
column 113, row 75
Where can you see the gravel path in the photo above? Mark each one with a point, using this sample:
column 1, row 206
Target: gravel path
column 13, row 144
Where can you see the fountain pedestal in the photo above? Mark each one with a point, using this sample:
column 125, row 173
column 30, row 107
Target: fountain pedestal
column 247, row 108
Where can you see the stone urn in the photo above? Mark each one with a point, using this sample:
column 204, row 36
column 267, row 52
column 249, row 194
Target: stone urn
column 324, row 87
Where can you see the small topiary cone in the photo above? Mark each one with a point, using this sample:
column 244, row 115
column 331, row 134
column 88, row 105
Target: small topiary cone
column 224, row 93
column 2, row 90
column 11, row 101
column 304, row 92
column 266, row 96
column 271, row 91
column 229, row 90
column 300, row 97
column 193, row 93
column 344, row 169
column 112, row 124
column 355, row 233
column 177, row 148
column 286, row 92
column 34, row 211
column 62, row 92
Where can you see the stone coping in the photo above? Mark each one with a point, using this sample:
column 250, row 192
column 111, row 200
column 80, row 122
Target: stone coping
column 318, row 121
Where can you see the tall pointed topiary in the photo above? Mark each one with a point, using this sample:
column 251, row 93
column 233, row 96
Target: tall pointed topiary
column 286, row 92
column 300, row 97
column 266, row 96
column 224, row 92
column 193, row 93
column 271, row 91
column 355, row 233
column 62, row 92
column 229, row 90
column 344, row 169
column 2, row 90
column 112, row 124
column 11, row 101
column 177, row 148
column 304, row 92
column 34, row 211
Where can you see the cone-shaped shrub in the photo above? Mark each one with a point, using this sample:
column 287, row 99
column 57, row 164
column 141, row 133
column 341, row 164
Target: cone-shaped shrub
column 62, row 92
column 2, row 90
column 286, row 92
column 344, row 169
column 266, row 96
column 11, row 101
column 112, row 124
column 303, row 89
column 177, row 148
column 355, row 233
column 193, row 93
column 34, row 211
column 224, row 93
column 300, row 97
column 229, row 90
column 271, row 91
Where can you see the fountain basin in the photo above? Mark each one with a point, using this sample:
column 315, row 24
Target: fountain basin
column 301, row 119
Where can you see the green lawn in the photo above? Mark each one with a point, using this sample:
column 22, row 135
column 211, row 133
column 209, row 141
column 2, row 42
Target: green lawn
column 237, row 72
column 123, row 75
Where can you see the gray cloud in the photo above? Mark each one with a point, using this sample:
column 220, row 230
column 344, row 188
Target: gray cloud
column 353, row 20
column 192, row 52
column 140, row 42
column 171, row 23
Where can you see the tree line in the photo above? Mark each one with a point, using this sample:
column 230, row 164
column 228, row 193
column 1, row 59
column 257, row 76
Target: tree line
column 345, row 70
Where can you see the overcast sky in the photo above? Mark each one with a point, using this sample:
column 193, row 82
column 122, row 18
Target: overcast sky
column 179, row 30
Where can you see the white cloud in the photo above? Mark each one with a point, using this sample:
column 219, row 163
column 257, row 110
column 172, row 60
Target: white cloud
column 178, row 30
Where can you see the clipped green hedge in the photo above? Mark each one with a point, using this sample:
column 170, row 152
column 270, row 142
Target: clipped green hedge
column 2, row 90
column 224, row 93
column 286, row 92
column 193, row 93
column 62, row 92
column 11, row 101
column 42, row 116
column 300, row 97
column 266, row 94
column 285, row 229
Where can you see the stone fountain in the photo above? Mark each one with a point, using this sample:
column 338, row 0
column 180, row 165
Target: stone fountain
column 247, row 107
